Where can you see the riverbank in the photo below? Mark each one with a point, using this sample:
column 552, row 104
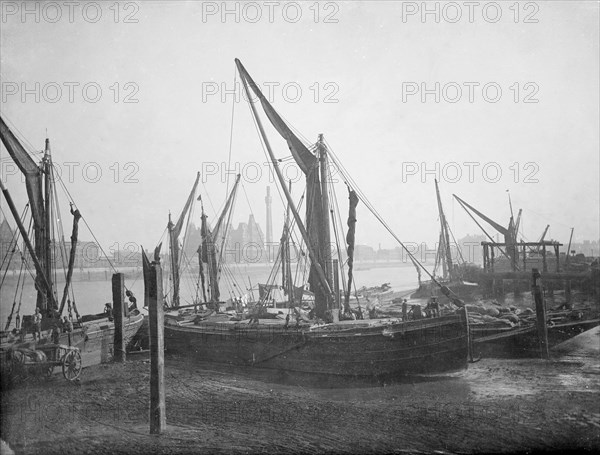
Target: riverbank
column 495, row 406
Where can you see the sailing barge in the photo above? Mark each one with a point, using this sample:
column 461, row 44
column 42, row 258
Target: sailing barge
column 92, row 334
column 357, row 348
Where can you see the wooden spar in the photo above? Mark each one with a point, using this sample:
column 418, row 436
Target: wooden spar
column 569, row 248
column 28, row 245
column 118, row 297
column 274, row 162
column 157, row 362
column 540, row 311
column 445, row 238
column 462, row 203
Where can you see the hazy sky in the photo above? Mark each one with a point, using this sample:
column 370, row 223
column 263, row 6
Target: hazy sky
column 354, row 71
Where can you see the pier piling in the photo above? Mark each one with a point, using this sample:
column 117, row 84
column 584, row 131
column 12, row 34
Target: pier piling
column 540, row 311
column 118, row 294
column 157, row 362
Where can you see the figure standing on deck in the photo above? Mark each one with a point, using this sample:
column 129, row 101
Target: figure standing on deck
column 37, row 324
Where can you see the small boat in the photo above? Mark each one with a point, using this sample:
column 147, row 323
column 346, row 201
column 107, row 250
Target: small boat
column 92, row 334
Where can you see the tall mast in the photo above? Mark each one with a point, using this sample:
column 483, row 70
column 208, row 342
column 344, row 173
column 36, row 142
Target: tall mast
column 311, row 252
column 445, row 238
column 286, row 260
column 173, row 248
column 326, row 232
column 47, row 229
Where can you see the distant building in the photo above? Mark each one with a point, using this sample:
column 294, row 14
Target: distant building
column 246, row 243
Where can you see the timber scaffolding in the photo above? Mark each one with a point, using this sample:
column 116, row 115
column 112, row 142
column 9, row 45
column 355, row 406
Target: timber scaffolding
column 521, row 262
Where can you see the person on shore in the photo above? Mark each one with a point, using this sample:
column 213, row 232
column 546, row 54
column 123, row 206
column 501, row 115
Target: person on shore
column 37, row 324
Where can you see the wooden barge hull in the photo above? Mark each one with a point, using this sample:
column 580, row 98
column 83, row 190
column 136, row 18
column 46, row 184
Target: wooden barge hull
column 523, row 342
column 406, row 348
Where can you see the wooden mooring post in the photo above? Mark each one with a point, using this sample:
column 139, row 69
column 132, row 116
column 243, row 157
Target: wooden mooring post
column 118, row 295
column 540, row 311
column 157, row 362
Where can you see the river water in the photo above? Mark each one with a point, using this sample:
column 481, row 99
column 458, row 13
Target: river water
column 92, row 287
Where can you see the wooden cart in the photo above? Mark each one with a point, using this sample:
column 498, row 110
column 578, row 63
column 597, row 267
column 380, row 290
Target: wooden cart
column 42, row 361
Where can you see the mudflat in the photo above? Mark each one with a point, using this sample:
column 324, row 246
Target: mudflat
column 493, row 406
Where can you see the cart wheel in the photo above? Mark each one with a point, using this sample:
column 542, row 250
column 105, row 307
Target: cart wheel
column 72, row 365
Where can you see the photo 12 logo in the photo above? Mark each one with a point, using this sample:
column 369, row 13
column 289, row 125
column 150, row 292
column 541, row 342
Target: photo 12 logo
column 471, row 171
column 69, row 92
column 53, row 12
column 270, row 12
column 254, row 172
column 454, row 12
column 72, row 171
column 290, row 92
column 471, row 92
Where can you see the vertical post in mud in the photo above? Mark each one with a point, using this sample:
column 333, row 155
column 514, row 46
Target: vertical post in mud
column 540, row 311
column 118, row 297
column 157, row 361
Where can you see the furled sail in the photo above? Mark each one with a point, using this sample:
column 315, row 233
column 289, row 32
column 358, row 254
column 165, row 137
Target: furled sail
column 350, row 237
column 74, row 234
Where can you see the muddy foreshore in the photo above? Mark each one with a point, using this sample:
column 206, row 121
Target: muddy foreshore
column 508, row 406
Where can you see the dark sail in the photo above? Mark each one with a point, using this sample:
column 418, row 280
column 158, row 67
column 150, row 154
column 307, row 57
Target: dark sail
column 309, row 163
column 174, row 232
column 353, row 198
column 209, row 256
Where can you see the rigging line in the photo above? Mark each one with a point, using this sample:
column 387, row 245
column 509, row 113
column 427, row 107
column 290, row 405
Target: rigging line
column 376, row 214
column 485, row 232
column 209, row 199
column 339, row 220
column 265, row 153
column 252, row 213
column 32, row 150
column 12, row 310
column 460, row 255
column 21, row 296
column 60, row 180
column 62, row 247
column 231, row 130
column 14, row 240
